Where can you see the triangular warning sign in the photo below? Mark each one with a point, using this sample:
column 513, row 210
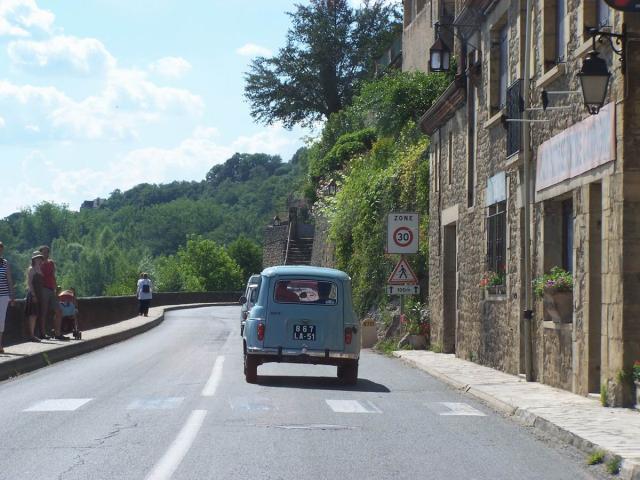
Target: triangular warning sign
column 402, row 274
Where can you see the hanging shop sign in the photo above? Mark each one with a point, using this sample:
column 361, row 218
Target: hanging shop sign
column 578, row 149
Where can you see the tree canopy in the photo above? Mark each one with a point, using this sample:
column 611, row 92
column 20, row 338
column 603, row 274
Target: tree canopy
column 330, row 46
column 102, row 251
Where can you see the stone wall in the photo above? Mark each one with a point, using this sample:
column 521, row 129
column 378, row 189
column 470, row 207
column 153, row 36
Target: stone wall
column 98, row 312
column 275, row 244
column 417, row 38
column 323, row 252
column 487, row 326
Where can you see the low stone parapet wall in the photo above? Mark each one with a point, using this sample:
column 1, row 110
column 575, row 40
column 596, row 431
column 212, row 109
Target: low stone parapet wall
column 98, row 312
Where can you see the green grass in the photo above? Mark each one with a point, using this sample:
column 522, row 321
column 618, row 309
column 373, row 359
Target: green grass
column 387, row 346
column 613, row 465
column 595, row 458
column 603, row 395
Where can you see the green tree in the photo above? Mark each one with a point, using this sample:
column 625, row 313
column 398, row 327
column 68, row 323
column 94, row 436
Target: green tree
column 247, row 254
column 330, row 46
column 207, row 267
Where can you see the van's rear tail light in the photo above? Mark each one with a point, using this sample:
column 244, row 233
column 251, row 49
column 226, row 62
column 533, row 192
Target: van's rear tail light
column 261, row 331
column 348, row 335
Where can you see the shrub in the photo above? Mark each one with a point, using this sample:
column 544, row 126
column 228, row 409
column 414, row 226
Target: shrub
column 595, row 458
column 558, row 280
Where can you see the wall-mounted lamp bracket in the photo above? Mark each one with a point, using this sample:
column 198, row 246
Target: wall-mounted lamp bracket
column 617, row 41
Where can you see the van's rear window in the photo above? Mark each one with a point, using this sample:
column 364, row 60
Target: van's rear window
column 305, row 291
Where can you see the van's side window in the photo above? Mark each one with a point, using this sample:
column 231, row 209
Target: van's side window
column 306, row 292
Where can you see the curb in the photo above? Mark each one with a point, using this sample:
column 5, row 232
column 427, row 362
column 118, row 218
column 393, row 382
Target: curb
column 29, row 363
column 630, row 470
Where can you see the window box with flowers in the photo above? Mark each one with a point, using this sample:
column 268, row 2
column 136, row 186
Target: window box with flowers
column 556, row 291
column 636, row 381
column 494, row 284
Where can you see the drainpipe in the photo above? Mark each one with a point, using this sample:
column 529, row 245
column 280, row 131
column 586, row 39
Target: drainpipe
column 527, row 314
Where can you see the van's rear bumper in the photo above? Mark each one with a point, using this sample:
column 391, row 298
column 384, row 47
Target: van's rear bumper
column 316, row 357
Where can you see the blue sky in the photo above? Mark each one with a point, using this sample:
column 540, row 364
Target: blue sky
column 105, row 94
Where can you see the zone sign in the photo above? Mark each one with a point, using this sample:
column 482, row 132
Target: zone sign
column 402, row 233
column 624, row 5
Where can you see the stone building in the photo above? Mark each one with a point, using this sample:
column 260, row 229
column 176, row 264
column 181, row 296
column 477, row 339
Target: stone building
column 585, row 184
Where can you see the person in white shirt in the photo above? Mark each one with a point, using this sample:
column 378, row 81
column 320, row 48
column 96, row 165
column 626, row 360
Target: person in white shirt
column 144, row 294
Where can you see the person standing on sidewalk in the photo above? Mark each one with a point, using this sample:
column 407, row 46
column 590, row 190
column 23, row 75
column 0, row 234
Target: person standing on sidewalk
column 144, row 294
column 7, row 294
column 49, row 300
column 34, row 293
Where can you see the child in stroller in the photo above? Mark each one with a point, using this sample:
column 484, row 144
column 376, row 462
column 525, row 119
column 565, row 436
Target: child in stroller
column 69, row 307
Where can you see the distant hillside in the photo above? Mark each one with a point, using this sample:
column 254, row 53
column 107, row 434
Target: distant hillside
column 236, row 199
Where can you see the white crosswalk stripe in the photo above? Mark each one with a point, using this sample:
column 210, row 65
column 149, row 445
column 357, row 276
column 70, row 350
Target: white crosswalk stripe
column 166, row 403
column 457, row 409
column 352, row 406
column 58, row 405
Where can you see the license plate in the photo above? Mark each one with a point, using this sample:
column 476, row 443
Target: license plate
column 304, row 332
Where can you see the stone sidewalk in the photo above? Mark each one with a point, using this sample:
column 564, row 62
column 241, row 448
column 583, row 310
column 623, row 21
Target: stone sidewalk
column 29, row 356
column 574, row 419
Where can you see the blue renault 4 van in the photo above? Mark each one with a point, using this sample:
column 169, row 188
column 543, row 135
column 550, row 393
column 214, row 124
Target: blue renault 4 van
column 303, row 315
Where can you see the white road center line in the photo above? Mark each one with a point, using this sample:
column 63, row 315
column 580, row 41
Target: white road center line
column 352, row 406
column 168, row 464
column 461, row 409
column 58, row 405
column 210, row 388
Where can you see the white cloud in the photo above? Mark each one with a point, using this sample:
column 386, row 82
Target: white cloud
column 253, row 50
column 271, row 140
column 23, row 18
column 190, row 159
column 2, row 122
column 172, row 67
column 62, row 54
column 128, row 100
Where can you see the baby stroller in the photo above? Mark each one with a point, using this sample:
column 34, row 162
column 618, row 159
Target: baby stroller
column 69, row 308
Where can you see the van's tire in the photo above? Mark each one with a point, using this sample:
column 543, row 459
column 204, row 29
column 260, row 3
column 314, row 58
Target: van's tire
column 250, row 368
column 349, row 373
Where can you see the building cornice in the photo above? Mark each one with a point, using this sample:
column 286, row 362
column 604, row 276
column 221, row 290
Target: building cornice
column 445, row 106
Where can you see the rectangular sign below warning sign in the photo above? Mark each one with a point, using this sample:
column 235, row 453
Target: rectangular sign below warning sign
column 403, row 289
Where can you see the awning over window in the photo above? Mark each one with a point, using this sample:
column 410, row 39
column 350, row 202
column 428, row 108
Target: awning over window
column 496, row 188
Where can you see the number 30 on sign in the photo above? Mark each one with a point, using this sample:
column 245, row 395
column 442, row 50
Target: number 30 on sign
column 402, row 233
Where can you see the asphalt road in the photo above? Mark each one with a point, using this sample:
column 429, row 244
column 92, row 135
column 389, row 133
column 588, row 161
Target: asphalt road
column 172, row 403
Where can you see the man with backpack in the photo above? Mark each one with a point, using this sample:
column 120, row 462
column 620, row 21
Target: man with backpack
column 144, row 294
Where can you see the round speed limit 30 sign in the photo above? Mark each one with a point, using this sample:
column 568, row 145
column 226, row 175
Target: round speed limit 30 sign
column 402, row 233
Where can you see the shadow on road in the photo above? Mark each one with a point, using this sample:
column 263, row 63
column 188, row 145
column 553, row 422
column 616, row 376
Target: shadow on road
column 320, row 383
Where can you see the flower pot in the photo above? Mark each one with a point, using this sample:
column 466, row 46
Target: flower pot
column 558, row 306
column 637, row 382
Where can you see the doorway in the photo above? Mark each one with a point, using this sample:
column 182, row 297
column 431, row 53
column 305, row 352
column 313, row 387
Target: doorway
column 449, row 289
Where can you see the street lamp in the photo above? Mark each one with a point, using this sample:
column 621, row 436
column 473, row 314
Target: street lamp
column 594, row 80
column 439, row 56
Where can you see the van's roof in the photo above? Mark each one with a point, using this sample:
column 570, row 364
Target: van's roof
column 305, row 270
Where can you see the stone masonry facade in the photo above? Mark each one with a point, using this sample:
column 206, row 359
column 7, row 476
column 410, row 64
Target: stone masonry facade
column 586, row 221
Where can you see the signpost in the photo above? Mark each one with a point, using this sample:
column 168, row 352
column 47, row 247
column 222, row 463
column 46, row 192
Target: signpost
column 403, row 238
column 403, row 289
column 402, row 233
